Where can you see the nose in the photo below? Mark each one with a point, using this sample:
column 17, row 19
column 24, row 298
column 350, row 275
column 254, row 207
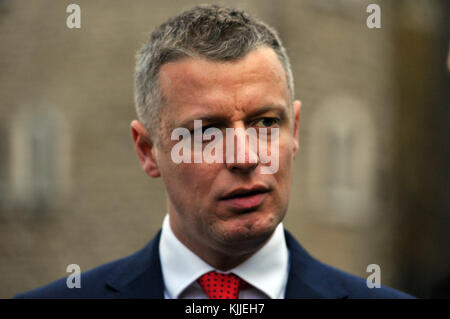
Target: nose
column 241, row 150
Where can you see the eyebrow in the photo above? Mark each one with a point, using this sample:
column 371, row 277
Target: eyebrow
column 282, row 109
column 211, row 118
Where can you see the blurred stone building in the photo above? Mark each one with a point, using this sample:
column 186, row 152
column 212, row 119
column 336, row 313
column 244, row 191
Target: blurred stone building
column 371, row 181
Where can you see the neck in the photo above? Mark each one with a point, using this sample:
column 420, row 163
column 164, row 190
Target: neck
column 220, row 257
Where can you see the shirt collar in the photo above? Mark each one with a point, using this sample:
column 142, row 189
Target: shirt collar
column 265, row 270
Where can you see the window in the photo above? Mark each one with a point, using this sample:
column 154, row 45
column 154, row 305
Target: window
column 40, row 157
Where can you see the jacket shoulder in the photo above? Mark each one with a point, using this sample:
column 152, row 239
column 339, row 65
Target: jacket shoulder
column 122, row 278
column 357, row 287
column 310, row 278
column 92, row 285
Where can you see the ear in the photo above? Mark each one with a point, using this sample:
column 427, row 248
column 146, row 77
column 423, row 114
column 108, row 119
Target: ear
column 297, row 105
column 145, row 149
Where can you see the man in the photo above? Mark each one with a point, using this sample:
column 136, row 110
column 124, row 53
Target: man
column 223, row 236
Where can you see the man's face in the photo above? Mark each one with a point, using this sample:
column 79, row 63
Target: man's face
column 250, row 92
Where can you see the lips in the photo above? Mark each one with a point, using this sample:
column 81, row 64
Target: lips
column 246, row 198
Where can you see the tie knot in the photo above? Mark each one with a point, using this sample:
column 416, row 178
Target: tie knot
column 221, row 286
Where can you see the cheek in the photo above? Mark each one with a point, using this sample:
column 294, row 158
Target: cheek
column 192, row 180
column 283, row 176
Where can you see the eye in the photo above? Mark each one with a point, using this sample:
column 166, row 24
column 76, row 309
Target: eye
column 201, row 130
column 267, row 122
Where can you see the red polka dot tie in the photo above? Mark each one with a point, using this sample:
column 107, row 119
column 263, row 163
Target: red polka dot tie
column 221, row 286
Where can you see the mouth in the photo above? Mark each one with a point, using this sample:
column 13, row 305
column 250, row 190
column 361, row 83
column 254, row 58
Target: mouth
column 246, row 198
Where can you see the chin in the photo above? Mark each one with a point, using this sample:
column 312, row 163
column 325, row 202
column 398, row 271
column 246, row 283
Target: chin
column 246, row 232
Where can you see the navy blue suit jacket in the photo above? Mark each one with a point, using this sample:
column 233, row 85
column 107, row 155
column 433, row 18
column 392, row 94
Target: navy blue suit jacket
column 140, row 276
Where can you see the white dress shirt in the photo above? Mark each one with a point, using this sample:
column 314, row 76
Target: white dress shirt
column 266, row 270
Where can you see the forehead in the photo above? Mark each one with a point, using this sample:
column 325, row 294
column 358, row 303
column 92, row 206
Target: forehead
column 197, row 85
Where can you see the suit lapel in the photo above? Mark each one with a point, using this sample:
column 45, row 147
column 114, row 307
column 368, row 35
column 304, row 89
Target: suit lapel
column 139, row 275
column 308, row 278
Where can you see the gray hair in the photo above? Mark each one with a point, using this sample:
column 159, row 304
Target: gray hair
column 213, row 32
